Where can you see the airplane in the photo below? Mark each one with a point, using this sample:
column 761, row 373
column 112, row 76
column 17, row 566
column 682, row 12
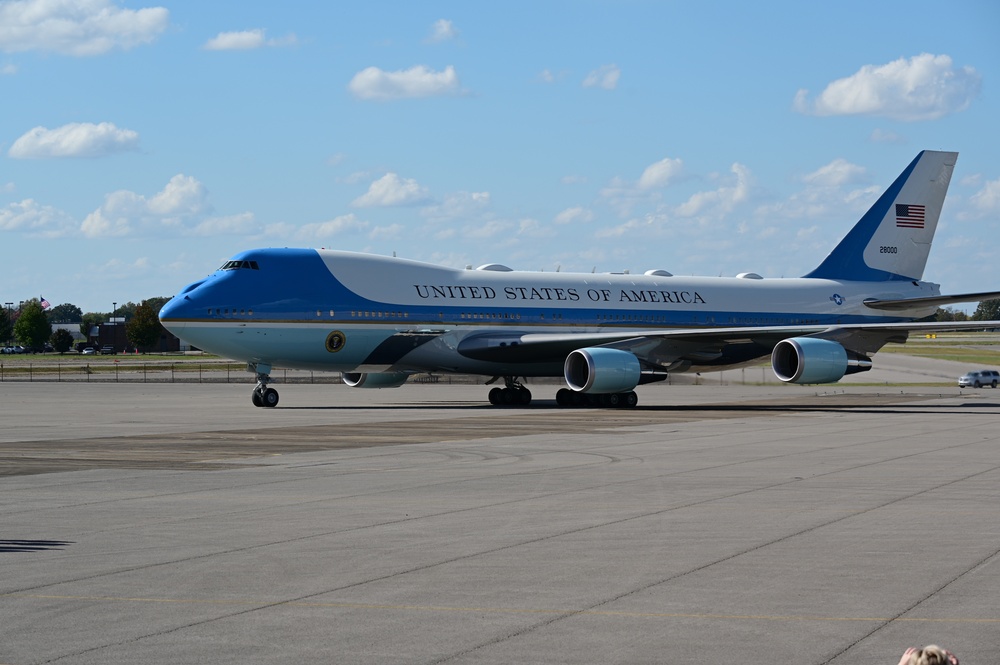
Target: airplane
column 378, row 320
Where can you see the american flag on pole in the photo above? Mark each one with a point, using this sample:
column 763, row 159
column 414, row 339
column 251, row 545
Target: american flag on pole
column 909, row 216
column 44, row 303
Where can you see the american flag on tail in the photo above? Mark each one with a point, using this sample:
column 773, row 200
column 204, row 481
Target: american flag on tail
column 909, row 216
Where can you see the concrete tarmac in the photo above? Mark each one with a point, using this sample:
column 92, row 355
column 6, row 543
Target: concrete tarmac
column 176, row 523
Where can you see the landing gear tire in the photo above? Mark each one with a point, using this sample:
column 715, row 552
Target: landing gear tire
column 514, row 394
column 270, row 397
column 256, row 398
column 564, row 397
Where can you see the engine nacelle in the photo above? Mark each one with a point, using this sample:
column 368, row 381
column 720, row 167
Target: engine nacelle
column 375, row 379
column 599, row 370
column 812, row 360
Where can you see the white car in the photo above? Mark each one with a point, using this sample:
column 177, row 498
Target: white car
column 986, row 377
column 89, row 351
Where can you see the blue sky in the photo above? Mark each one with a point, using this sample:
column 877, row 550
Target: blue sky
column 143, row 143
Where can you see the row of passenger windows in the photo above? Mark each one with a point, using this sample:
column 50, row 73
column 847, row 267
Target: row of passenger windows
column 226, row 311
column 516, row 316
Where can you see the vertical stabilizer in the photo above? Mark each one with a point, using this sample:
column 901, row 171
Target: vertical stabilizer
column 893, row 239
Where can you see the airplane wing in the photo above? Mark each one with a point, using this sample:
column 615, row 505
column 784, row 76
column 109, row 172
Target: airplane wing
column 697, row 346
column 906, row 303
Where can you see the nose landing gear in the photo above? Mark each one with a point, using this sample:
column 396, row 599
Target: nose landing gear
column 262, row 395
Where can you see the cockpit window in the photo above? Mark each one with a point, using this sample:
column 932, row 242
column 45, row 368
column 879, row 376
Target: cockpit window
column 236, row 265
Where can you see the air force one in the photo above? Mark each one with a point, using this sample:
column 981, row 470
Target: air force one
column 378, row 320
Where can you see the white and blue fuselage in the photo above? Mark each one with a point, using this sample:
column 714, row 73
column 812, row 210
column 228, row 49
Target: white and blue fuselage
column 279, row 306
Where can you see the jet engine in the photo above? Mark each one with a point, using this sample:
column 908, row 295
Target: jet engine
column 375, row 379
column 812, row 360
column 600, row 370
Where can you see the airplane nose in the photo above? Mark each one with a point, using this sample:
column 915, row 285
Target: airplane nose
column 180, row 306
column 176, row 311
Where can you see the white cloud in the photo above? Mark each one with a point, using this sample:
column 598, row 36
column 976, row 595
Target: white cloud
column 837, row 173
column 420, row 81
column 180, row 206
column 624, row 195
column 605, row 77
column 487, row 229
column 924, row 87
column 532, row 228
column 391, row 190
column 235, row 41
column 391, row 232
column 721, row 201
column 886, row 136
column 242, row 224
column 78, row 139
column 987, row 200
column 458, row 206
column 834, row 191
column 577, row 214
column 77, row 27
column 246, row 40
column 29, row 217
column 660, row 174
column 8, row 69
column 443, row 30
column 318, row 231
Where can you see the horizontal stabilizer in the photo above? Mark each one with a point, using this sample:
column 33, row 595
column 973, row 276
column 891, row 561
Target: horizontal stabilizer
column 930, row 301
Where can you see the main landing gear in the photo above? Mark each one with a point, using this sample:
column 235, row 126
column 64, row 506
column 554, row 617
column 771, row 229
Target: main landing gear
column 513, row 394
column 262, row 395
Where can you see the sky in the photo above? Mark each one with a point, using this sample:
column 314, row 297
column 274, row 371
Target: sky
column 143, row 143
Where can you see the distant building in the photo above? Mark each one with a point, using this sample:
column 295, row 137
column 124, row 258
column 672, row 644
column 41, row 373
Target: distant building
column 72, row 328
column 112, row 333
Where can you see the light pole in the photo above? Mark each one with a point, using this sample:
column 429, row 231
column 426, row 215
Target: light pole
column 10, row 314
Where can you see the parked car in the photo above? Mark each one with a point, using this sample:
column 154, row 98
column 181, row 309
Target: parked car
column 978, row 379
column 107, row 350
column 88, row 351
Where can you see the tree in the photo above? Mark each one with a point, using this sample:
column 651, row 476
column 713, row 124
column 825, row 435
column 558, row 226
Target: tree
column 61, row 340
column 32, row 328
column 65, row 313
column 143, row 330
column 157, row 303
column 950, row 314
column 988, row 310
column 5, row 326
